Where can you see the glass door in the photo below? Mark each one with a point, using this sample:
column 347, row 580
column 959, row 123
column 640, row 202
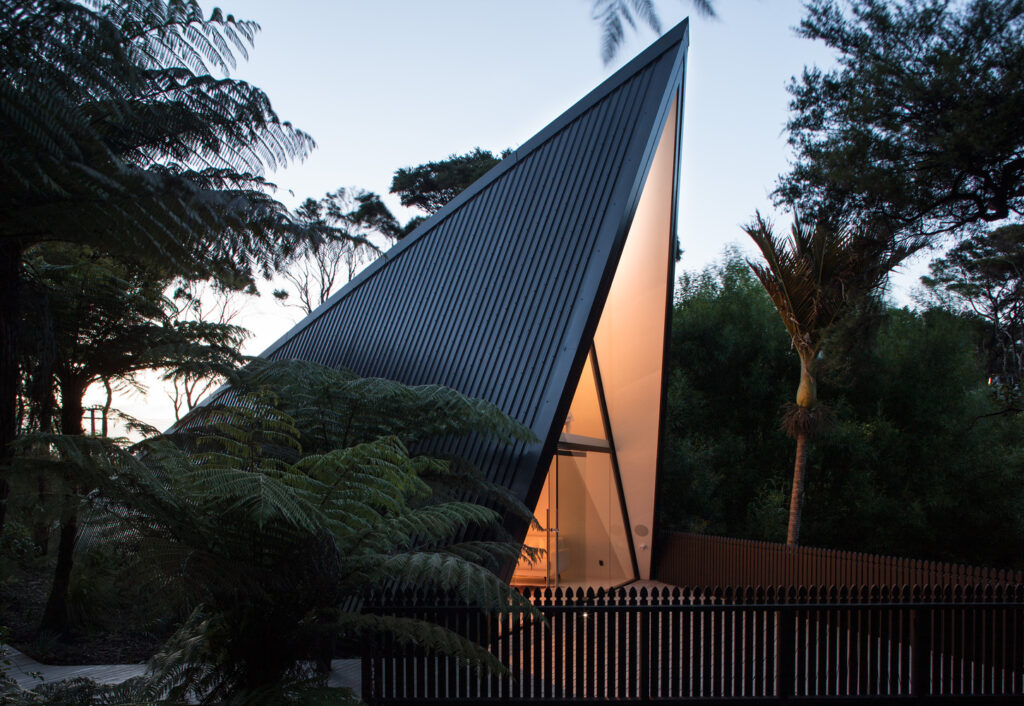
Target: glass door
column 593, row 546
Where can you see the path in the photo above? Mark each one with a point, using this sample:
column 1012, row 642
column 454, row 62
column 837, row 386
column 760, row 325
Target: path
column 27, row 672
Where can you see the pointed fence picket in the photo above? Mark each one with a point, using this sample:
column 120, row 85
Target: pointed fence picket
column 761, row 645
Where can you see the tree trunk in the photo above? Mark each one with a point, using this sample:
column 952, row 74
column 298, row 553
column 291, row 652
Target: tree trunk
column 55, row 617
column 10, row 259
column 796, row 499
column 800, row 427
column 42, row 526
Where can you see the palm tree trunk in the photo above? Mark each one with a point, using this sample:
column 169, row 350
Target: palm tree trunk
column 796, row 499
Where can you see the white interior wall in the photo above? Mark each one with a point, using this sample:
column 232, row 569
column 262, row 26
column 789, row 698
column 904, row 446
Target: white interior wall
column 630, row 342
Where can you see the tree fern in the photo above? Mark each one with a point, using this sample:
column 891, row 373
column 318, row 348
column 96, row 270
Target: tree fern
column 267, row 541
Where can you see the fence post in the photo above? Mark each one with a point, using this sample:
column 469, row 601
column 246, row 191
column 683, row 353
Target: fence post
column 919, row 666
column 366, row 686
column 787, row 646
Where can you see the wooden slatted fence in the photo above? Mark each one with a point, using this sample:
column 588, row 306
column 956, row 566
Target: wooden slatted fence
column 704, row 560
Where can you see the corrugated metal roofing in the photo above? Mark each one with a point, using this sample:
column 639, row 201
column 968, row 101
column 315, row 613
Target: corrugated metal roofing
column 498, row 294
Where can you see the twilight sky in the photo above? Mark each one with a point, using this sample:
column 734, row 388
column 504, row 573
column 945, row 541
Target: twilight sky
column 391, row 83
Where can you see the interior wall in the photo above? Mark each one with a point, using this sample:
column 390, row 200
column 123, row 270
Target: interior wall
column 630, row 341
column 585, row 418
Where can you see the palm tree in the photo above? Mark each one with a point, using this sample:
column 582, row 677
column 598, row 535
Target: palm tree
column 812, row 278
column 115, row 134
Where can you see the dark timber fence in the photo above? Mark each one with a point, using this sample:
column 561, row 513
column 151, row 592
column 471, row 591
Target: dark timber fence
column 962, row 645
column 703, row 560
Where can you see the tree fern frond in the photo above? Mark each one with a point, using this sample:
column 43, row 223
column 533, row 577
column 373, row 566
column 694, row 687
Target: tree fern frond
column 434, row 638
column 471, row 583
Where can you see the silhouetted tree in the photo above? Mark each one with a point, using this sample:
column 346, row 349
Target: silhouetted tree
column 430, row 186
column 985, row 276
column 116, row 135
column 108, row 322
column 918, row 126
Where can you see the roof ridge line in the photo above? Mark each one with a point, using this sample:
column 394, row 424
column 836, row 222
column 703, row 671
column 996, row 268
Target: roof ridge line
column 677, row 35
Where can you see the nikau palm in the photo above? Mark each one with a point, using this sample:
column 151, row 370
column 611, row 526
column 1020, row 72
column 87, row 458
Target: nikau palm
column 812, row 277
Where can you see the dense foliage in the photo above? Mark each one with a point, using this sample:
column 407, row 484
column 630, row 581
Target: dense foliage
column 271, row 513
column 430, row 186
column 120, row 132
column 984, row 275
column 918, row 126
column 916, row 463
column 93, row 318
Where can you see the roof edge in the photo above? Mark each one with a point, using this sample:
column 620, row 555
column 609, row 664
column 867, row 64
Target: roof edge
column 680, row 34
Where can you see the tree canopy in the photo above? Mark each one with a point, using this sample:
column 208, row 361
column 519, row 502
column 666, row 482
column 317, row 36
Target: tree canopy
column 115, row 130
column 120, row 131
column 984, row 276
column 918, row 126
column 431, row 185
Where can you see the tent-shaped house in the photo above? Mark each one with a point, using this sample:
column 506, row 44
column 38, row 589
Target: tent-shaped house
column 545, row 288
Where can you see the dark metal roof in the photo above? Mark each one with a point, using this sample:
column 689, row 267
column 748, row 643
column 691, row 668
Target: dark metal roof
column 498, row 294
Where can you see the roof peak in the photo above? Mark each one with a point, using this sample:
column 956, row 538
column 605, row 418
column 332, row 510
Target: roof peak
column 676, row 39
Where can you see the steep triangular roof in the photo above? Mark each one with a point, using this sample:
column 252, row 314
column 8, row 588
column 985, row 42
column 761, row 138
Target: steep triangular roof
column 498, row 294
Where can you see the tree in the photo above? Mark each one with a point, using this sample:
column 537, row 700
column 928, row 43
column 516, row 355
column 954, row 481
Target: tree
column 108, row 321
column 915, row 463
column 278, row 509
column 984, row 275
column 346, row 218
column 614, row 15
column 919, row 125
column 726, row 345
column 430, row 186
column 116, row 135
column 204, row 302
column 812, row 278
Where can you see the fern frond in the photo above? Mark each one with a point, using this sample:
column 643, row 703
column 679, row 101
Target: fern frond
column 417, row 633
column 470, row 582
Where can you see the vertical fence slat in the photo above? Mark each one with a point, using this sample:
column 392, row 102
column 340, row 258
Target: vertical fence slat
column 558, row 655
column 818, row 642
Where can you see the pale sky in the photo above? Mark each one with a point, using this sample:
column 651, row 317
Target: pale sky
column 392, row 83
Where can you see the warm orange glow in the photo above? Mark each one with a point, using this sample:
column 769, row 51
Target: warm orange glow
column 630, row 344
column 585, row 530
